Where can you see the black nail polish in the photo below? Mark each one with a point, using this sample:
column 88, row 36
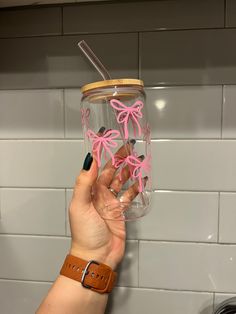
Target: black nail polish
column 102, row 129
column 146, row 178
column 141, row 157
column 132, row 141
column 88, row 161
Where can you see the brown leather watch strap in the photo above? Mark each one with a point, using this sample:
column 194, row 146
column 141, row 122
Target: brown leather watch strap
column 92, row 275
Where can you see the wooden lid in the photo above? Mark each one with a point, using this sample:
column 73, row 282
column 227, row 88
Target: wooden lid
column 107, row 83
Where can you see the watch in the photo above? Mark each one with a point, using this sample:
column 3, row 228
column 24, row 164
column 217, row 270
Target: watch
column 92, row 275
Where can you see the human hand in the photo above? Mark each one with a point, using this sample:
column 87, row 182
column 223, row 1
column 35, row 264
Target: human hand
column 92, row 236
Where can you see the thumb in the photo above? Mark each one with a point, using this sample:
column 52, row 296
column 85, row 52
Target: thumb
column 85, row 180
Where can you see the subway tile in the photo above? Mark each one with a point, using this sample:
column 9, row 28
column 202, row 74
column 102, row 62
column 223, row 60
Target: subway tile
column 32, row 258
column 185, row 111
column 139, row 301
column 230, row 13
column 31, row 211
column 56, row 61
column 128, row 269
column 142, row 16
column 178, row 216
column 72, row 112
column 227, row 232
column 229, row 112
column 179, row 164
column 182, row 266
column 52, row 164
column 170, row 57
column 31, row 114
column 30, row 22
column 207, row 165
column 221, row 297
column 21, row 297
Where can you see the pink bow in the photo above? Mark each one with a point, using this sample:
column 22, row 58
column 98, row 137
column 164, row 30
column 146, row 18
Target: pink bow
column 85, row 117
column 138, row 167
column 103, row 142
column 121, row 162
column 125, row 114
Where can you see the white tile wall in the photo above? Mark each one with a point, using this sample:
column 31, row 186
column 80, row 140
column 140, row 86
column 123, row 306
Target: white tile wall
column 187, row 266
column 31, row 114
column 32, row 211
column 38, row 258
column 227, row 218
column 25, row 296
column 139, row 301
column 179, row 216
column 229, row 112
column 185, row 112
column 186, row 245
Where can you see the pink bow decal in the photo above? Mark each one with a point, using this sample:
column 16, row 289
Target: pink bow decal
column 125, row 114
column 120, row 162
column 85, row 117
column 138, row 167
column 103, row 142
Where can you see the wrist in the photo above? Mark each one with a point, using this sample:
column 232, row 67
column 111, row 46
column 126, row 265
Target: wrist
column 94, row 255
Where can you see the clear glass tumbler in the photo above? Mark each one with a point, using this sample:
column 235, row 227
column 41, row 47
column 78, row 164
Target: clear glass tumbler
column 116, row 131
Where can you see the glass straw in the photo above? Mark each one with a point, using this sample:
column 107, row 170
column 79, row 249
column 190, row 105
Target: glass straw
column 94, row 60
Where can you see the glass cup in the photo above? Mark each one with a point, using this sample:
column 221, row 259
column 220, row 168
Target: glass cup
column 116, row 131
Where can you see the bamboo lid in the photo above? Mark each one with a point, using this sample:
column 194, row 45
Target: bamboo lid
column 107, row 83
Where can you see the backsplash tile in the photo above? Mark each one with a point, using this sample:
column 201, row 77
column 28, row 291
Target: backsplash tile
column 73, row 117
column 205, row 165
column 199, row 267
column 129, row 16
column 28, row 22
column 36, row 164
column 32, row 211
column 26, row 295
column 188, row 57
column 31, row 114
column 227, row 232
column 185, row 111
column 179, row 216
column 230, row 13
column 56, row 61
column 38, row 258
column 138, row 301
column 229, row 112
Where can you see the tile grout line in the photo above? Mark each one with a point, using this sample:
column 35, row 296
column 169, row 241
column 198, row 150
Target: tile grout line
column 64, row 112
column 139, row 55
column 218, row 226
column 214, row 298
column 222, row 111
column 225, row 12
column 65, row 212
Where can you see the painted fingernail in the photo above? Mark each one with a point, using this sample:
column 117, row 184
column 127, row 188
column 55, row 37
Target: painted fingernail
column 141, row 157
column 146, row 178
column 102, row 129
column 88, row 162
column 132, row 141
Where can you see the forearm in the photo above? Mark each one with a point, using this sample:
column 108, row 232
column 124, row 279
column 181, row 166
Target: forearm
column 69, row 296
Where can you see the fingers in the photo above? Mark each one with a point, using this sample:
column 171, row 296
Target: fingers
column 132, row 191
column 109, row 170
column 85, row 181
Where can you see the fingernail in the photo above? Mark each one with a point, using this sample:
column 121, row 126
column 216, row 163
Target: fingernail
column 146, row 178
column 88, row 162
column 132, row 141
column 102, row 129
column 141, row 157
